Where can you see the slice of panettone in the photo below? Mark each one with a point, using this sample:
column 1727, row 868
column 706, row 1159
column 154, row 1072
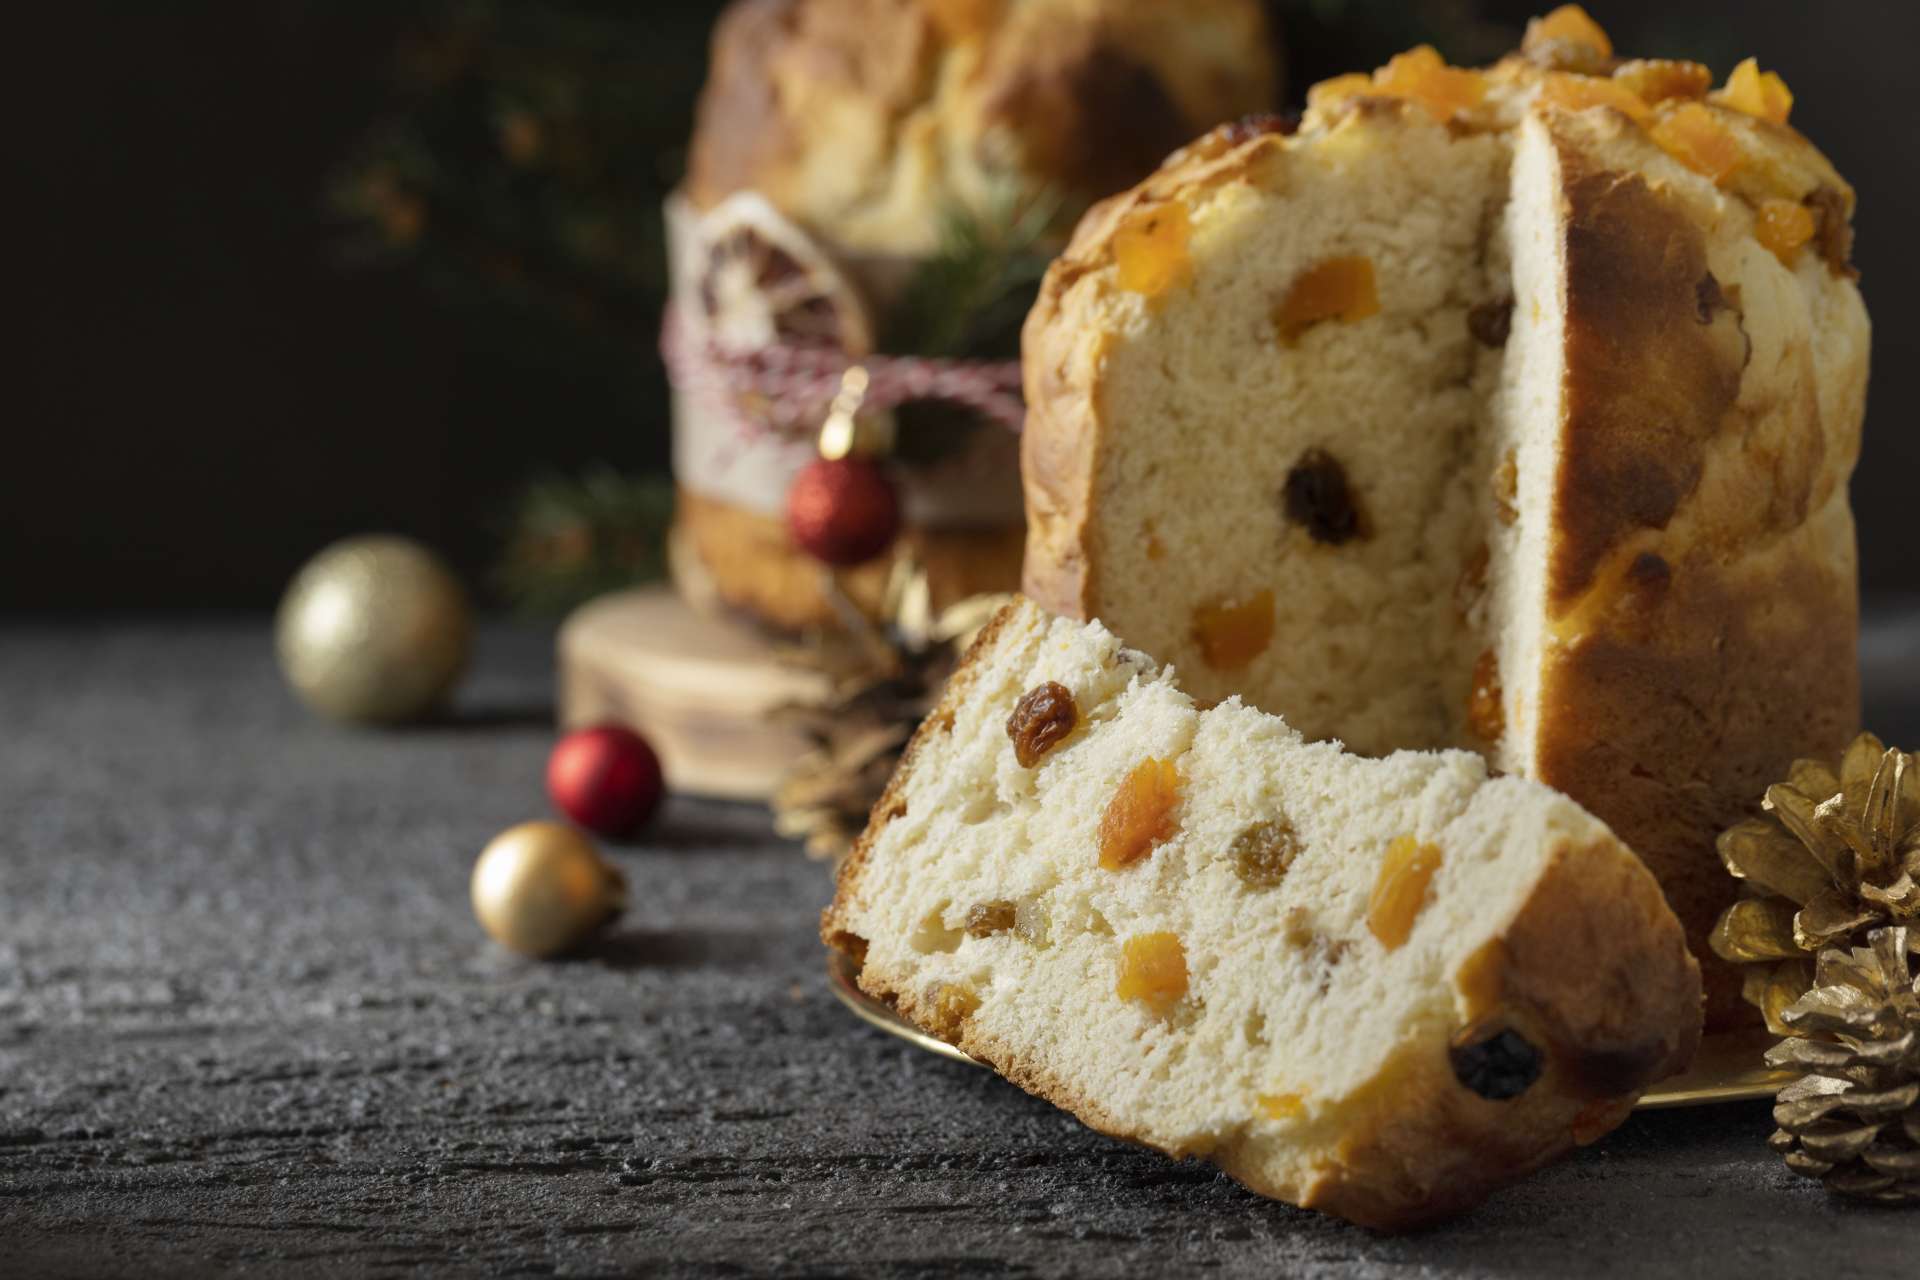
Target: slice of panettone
column 1379, row 988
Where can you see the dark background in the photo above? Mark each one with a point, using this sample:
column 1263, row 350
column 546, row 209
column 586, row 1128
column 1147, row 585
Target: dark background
column 208, row 388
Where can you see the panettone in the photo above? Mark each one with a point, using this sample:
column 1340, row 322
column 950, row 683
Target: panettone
column 847, row 133
column 1380, row 988
column 1510, row 410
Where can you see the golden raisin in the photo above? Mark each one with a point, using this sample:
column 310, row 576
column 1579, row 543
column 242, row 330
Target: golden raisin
column 1043, row 718
column 1783, row 228
column 1318, row 499
column 1153, row 970
column 1570, row 24
column 1472, row 582
column 1757, row 93
column 1836, row 232
column 1572, row 92
column 1506, row 488
column 1421, row 76
column 1692, row 135
column 1140, row 815
column 1336, row 289
column 1150, row 250
column 947, row 1009
column 1401, row 890
column 984, row 919
column 1486, row 711
column 1263, row 852
column 1234, row 633
column 1280, row 1106
column 1656, row 80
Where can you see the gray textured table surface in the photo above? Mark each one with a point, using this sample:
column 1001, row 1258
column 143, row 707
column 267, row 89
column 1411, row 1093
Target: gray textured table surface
column 247, row 1024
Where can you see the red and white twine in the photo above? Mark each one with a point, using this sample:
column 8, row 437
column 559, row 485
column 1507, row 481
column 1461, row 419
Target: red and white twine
column 786, row 387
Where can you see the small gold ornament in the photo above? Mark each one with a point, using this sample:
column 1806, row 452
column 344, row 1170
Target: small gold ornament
column 541, row 888
column 1852, row 1120
column 1837, row 855
column 373, row 630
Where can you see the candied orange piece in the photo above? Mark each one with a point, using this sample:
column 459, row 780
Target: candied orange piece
column 1572, row 24
column 1401, row 890
column 1153, row 970
column 1336, row 289
column 1421, row 75
column 1784, row 227
column 1280, row 1106
column 1655, row 80
column 1486, row 711
column 1140, row 815
column 1573, row 92
column 1756, row 92
column 1232, row 634
column 1691, row 135
column 1350, row 85
column 1150, row 250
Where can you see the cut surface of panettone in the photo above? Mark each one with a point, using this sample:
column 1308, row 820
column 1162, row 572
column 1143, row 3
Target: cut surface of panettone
column 1508, row 410
column 1380, row 988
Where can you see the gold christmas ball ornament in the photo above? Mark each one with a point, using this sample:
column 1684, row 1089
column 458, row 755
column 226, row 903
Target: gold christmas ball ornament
column 541, row 888
column 374, row 630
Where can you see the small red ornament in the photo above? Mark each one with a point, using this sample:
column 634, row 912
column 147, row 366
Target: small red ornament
column 843, row 511
column 605, row 778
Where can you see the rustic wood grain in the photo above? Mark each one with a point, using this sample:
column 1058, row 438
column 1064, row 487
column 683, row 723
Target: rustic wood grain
column 248, row 1025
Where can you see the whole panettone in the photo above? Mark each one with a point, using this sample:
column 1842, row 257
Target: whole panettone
column 1507, row 409
column 837, row 144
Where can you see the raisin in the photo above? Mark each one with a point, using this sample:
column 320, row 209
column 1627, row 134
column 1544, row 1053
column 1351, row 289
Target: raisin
column 1498, row 1066
column 1835, row 240
column 1263, row 853
column 1043, row 718
column 1708, row 298
column 1247, row 128
column 1491, row 322
column 984, row 919
column 1318, row 499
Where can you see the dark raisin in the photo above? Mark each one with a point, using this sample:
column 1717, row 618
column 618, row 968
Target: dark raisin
column 1317, row 499
column 1498, row 1066
column 1834, row 237
column 1247, row 128
column 1650, row 572
column 1041, row 720
column 1491, row 322
column 1708, row 298
column 984, row 919
column 1263, row 852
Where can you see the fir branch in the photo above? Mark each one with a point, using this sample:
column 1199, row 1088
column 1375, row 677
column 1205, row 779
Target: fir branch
column 573, row 538
column 971, row 295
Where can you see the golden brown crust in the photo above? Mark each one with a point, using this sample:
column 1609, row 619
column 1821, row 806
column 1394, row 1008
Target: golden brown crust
column 1702, row 575
column 749, row 565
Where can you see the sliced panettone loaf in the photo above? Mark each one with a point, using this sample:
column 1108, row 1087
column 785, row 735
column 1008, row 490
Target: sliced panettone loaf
column 1508, row 410
column 1379, row 988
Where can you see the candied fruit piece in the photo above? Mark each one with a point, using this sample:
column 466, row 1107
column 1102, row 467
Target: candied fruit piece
column 1498, row 1066
column 1140, row 815
column 1150, row 250
column 1318, row 499
column 1153, row 970
column 1757, row 93
column 1337, row 289
column 1421, row 75
column 1572, row 92
column 1263, row 852
column 1327, row 92
column 1401, row 890
column 1486, row 711
column 1783, row 228
column 1030, row 923
column 1693, row 136
column 1043, row 718
column 1234, row 633
column 1656, row 80
column 1569, row 24
column 1506, row 488
column 984, row 919
column 1280, row 1106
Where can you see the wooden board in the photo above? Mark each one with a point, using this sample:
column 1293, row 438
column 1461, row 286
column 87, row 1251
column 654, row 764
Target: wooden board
column 700, row 689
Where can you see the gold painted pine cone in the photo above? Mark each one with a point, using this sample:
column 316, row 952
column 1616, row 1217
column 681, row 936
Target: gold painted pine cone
column 1852, row 1120
column 1836, row 855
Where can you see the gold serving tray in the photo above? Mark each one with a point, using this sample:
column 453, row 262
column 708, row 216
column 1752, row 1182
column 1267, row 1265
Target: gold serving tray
column 1728, row 1067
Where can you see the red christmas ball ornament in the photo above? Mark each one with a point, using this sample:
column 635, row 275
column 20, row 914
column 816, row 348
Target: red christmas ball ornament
column 843, row 511
column 606, row 778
